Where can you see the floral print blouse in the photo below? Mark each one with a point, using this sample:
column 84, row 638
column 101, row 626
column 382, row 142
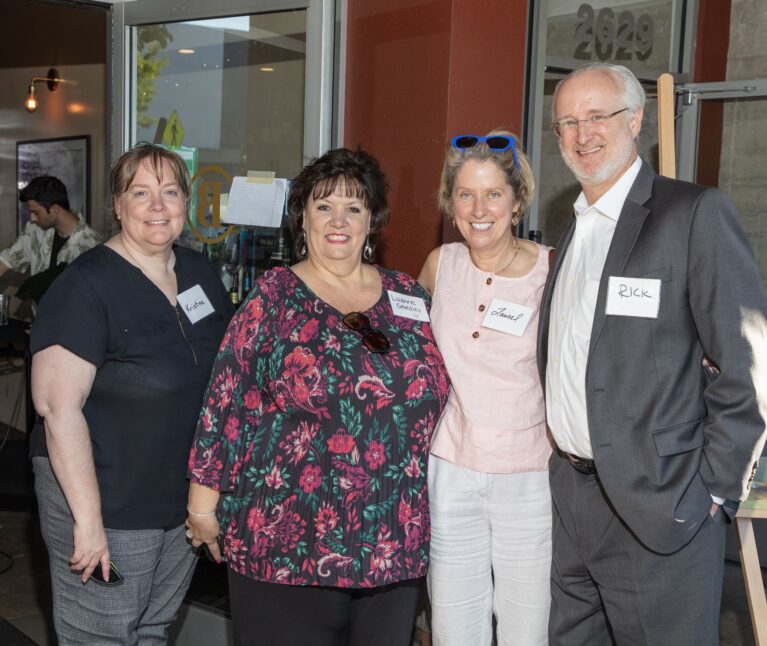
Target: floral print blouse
column 320, row 447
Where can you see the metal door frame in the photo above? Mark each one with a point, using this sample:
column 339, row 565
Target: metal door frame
column 688, row 100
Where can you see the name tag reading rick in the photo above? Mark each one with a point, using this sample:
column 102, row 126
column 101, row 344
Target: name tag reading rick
column 507, row 317
column 195, row 303
column 409, row 307
column 633, row 297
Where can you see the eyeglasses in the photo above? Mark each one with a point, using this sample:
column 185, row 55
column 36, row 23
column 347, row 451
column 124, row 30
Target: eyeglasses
column 571, row 125
column 374, row 340
column 496, row 143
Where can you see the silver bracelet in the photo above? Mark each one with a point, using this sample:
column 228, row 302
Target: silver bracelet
column 194, row 513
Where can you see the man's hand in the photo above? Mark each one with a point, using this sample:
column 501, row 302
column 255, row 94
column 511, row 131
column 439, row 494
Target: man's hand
column 714, row 508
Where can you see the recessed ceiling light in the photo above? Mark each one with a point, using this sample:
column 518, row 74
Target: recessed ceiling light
column 186, row 51
column 267, row 69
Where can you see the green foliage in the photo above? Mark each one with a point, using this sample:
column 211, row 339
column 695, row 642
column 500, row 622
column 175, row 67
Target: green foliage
column 373, row 512
column 150, row 61
column 400, row 424
column 351, row 418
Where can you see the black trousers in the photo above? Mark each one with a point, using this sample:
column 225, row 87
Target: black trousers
column 272, row 614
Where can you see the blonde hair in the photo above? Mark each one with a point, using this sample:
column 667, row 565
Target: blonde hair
column 519, row 177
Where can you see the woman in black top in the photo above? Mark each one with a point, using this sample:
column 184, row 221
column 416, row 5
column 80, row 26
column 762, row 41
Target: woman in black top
column 123, row 345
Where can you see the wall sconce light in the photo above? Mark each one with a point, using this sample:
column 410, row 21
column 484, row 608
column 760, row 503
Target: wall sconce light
column 52, row 81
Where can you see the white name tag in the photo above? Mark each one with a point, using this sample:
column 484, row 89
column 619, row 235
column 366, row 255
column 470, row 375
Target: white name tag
column 409, row 307
column 507, row 317
column 195, row 303
column 633, row 297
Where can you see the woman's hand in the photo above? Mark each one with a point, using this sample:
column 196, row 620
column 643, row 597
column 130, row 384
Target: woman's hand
column 91, row 550
column 203, row 530
column 201, row 523
column 61, row 383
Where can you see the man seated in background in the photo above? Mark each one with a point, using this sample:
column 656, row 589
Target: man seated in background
column 54, row 235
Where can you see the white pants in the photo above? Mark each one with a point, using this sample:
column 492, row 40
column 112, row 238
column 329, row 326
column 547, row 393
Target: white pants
column 490, row 554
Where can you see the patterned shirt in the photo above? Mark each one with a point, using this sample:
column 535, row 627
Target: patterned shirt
column 32, row 249
column 320, row 446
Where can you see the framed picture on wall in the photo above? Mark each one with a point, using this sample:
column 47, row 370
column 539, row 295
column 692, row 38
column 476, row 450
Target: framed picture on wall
column 67, row 158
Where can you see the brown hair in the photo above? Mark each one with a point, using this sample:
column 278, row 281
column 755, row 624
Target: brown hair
column 125, row 168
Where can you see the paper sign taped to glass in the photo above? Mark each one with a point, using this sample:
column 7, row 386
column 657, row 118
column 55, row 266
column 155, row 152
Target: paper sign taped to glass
column 255, row 204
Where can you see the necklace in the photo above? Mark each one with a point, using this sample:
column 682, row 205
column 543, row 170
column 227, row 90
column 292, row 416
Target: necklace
column 136, row 261
column 511, row 262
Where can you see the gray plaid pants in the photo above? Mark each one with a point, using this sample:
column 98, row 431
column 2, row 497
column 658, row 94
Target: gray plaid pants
column 157, row 565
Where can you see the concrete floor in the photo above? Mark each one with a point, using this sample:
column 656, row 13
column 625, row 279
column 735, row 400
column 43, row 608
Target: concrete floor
column 25, row 598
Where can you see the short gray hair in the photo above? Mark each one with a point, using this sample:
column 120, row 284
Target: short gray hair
column 631, row 89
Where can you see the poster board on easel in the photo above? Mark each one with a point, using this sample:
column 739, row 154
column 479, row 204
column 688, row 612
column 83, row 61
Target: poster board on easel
column 755, row 507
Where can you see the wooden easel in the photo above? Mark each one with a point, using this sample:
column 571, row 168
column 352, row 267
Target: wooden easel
column 749, row 557
column 752, row 572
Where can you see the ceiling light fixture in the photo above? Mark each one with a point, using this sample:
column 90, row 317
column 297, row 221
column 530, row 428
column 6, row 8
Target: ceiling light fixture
column 52, row 81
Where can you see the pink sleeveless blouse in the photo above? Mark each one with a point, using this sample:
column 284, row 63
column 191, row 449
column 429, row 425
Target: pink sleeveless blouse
column 494, row 420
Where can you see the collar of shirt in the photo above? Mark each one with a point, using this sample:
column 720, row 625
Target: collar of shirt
column 611, row 203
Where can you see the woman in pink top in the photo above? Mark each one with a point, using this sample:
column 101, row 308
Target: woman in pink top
column 488, row 479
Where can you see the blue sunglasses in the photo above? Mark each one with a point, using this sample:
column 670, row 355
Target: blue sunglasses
column 496, row 143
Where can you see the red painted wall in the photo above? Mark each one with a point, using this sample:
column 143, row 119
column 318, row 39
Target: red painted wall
column 418, row 73
column 711, row 47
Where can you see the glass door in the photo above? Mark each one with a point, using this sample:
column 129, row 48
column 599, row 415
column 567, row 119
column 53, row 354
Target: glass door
column 721, row 141
column 240, row 89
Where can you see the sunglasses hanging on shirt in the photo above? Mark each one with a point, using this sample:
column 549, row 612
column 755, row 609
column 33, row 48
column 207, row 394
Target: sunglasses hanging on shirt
column 374, row 340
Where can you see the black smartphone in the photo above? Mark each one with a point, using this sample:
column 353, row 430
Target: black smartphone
column 206, row 551
column 115, row 578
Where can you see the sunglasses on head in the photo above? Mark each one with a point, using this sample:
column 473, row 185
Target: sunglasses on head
column 496, row 143
column 374, row 340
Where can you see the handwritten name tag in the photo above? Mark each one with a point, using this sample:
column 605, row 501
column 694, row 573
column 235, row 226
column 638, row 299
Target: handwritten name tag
column 507, row 317
column 195, row 303
column 409, row 307
column 633, row 297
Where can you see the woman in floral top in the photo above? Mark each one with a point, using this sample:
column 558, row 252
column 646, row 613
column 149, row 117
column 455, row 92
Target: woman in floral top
column 309, row 463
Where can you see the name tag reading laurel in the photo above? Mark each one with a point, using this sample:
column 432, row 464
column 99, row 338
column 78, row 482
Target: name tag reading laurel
column 409, row 307
column 633, row 297
column 195, row 303
column 507, row 317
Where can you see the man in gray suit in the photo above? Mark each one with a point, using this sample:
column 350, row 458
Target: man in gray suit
column 653, row 351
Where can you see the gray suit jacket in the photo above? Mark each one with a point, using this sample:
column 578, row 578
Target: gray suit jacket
column 665, row 432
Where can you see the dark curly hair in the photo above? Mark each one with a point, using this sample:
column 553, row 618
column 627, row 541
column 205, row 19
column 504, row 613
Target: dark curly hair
column 360, row 174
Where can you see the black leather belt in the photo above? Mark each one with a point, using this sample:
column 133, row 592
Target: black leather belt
column 582, row 465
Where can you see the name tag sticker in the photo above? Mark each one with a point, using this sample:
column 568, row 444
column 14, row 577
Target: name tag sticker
column 195, row 303
column 633, row 297
column 409, row 307
column 507, row 317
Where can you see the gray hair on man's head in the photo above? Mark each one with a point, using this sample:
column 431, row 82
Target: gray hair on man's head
column 632, row 93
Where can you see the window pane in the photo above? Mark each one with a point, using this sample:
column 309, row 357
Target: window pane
column 228, row 95
column 236, row 86
column 633, row 33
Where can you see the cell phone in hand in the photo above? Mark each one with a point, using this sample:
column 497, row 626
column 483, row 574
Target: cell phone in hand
column 208, row 554
column 115, row 578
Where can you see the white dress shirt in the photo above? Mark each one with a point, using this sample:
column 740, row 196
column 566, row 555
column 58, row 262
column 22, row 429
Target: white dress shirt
column 572, row 314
